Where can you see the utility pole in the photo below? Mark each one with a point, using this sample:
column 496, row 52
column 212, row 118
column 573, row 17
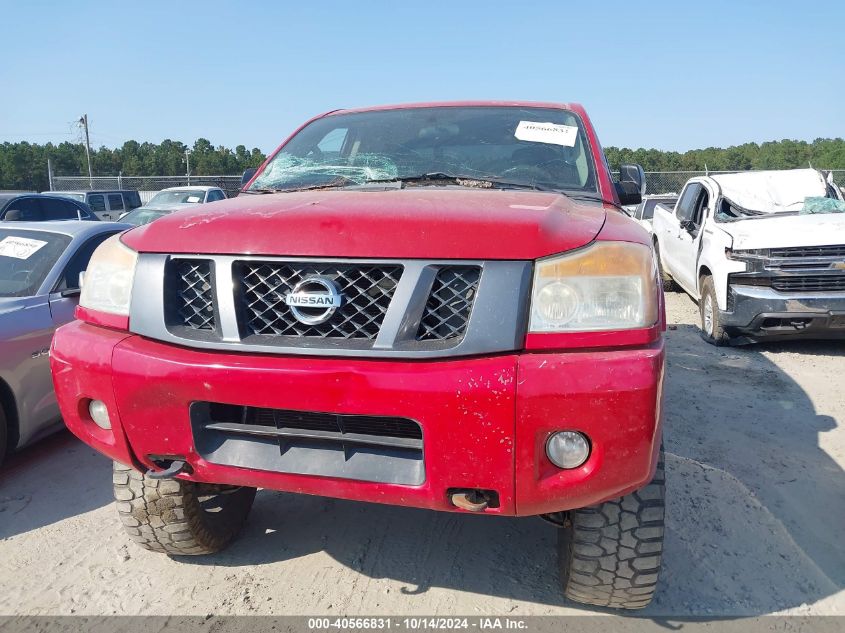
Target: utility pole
column 50, row 173
column 188, row 164
column 84, row 123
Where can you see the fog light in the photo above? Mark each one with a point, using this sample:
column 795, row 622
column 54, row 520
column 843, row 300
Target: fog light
column 99, row 413
column 568, row 449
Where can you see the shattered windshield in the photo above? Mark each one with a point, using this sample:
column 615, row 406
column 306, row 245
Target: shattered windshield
column 537, row 147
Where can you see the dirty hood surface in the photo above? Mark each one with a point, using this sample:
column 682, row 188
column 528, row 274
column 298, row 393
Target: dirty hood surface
column 416, row 222
column 787, row 230
column 772, row 191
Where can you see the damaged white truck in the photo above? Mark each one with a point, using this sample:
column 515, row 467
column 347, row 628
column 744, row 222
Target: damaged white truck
column 762, row 252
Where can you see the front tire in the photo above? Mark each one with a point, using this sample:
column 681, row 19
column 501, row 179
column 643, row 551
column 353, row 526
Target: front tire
column 708, row 308
column 665, row 278
column 179, row 517
column 4, row 435
column 610, row 554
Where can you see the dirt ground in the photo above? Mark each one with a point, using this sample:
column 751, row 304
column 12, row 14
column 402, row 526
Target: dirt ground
column 756, row 508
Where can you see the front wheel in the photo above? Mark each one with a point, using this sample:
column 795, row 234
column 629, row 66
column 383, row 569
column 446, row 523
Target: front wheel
column 711, row 324
column 609, row 554
column 179, row 517
column 4, row 435
column 665, row 279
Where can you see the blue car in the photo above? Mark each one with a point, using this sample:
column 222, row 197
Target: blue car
column 39, row 207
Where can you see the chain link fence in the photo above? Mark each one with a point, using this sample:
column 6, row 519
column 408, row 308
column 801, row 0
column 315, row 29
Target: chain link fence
column 656, row 182
column 147, row 186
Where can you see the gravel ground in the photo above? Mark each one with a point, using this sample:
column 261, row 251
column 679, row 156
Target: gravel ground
column 756, row 504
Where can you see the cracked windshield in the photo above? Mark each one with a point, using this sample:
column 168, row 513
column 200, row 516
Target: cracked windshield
column 539, row 148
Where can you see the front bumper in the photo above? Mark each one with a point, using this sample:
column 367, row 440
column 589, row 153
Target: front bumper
column 485, row 420
column 762, row 312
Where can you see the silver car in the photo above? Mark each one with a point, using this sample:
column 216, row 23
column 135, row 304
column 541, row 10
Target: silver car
column 173, row 199
column 40, row 263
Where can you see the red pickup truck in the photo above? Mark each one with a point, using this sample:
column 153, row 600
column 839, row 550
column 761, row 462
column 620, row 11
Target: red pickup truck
column 436, row 305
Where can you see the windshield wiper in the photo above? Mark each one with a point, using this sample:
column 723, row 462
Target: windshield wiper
column 340, row 181
column 464, row 181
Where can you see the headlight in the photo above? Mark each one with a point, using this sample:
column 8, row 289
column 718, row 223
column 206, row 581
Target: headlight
column 606, row 286
column 107, row 283
column 752, row 254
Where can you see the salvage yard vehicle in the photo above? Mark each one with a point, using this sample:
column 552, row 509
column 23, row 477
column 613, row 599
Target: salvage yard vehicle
column 438, row 306
column 40, row 265
column 38, row 207
column 172, row 199
column 762, row 252
column 644, row 211
column 107, row 204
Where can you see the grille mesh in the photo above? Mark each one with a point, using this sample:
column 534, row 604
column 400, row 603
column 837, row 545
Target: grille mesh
column 809, row 283
column 366, row 289
column 448, row 307
column 196, row 296
column 808, row 251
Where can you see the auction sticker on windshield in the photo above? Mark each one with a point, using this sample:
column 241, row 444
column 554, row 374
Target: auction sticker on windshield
column 553, row 133
column 19, row 247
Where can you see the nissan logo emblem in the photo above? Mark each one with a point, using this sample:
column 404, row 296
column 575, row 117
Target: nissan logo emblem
column 314, row 300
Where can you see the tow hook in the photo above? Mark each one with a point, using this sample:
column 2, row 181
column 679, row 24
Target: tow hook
column 470, row 500
column 176, row 466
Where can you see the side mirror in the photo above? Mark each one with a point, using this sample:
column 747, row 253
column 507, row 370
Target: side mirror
column 248, row 174
column 634, row 174
column 14, row 215
column 628, row 192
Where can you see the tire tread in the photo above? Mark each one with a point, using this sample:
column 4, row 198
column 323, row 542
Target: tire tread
column 611, row 553
column 166, row 516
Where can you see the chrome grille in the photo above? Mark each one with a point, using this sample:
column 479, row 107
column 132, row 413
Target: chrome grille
column 808, row 251
column 809, row 283
column 447, row 309
column 367, row 290
column 195, row 293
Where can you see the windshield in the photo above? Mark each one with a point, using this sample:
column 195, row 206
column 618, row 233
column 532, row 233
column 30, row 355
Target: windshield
column 177, row 197
column 142, row 216
column 26, row 258
column 542, row 147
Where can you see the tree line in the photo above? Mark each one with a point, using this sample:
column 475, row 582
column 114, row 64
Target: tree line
column 823, row 153
column 24, row 165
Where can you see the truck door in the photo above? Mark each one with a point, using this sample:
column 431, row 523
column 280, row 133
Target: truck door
column 97, row 202
column 689, row 239
column 673, row 234
column 116, row 207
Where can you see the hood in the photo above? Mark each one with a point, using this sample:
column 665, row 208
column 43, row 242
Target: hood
column 772, row 191
column 416, row 222
column 787, row 230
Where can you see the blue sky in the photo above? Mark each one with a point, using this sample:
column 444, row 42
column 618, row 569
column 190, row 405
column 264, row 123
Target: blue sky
column 670, row 75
